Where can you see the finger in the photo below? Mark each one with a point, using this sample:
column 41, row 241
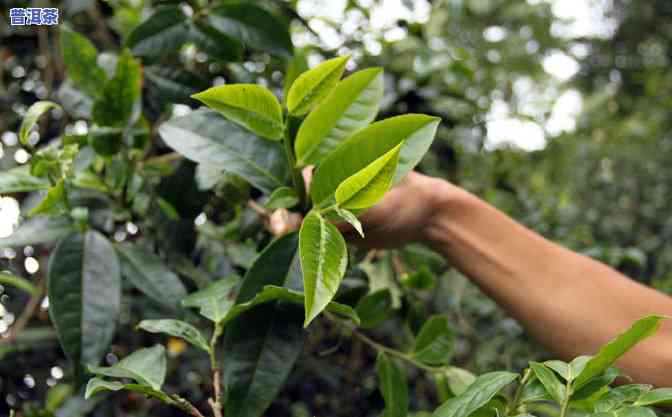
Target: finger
column 307, row 173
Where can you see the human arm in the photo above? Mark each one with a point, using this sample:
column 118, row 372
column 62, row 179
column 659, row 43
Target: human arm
column 568, row 302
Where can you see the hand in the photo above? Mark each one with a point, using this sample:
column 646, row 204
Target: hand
column 403, row 216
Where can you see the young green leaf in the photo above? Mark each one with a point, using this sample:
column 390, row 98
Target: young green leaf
column 374, row 308
column 553, row 386
column 176, row 328
column 477, row 395
column 35, row 111
column 629, row 411
column 283, row 197
column 659, row 396
column 351, row 105
column 455, row 380
column 272, row 293
column 204, row 137
column 145, row 366
column 435, row 341
column 421, row 279
column 160, row 35
column 262, row 345
column 295, row 67
column 15, row 281
column 324, row 258
column 148, row 273
column 84, row 289
column 96, row 385
column 215, row 300
column 562, row 368
column 252, row 25
column 250, row 105
column 114, row 105
column 52, row 201
column 613, row 350
column 367, row 186
column 19, row 179
column 314, row 85
column 80, row 59
column 350, row 217
column 393, row 386
column 367, row 145
column 577, row 364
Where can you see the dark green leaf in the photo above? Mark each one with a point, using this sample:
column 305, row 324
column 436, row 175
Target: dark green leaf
column 19, row 179
column 476, row 396
column 613, row 350
column 176, row 328
column 80, row 58
column 162, row 34
column 253, row 26
column 215, row 300
column 435, row 341
column 393, row 386
column 148, row 273
column 35, row 111
column 324, row 258
column 114, row 106
column 215, row 43
column 84, row 289
column 374, row 308
column 262, row 345
column 422, row 279
column 37, row 230
column 172, row 85
column 205, row 137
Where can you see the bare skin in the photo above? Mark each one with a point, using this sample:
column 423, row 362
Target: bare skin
column 568, row 302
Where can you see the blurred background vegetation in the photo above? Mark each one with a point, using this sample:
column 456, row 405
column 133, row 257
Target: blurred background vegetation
column 558, row 112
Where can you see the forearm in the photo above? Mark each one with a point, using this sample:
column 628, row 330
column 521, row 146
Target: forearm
column 568, row 302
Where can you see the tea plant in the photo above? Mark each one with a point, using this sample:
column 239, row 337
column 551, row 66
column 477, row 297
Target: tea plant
column 252, row 328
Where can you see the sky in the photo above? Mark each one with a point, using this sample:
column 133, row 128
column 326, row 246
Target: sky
column 584, row 18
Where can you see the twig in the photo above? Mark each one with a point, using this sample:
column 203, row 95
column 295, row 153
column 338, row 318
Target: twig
column 215, row 402
column 27, row 313
column 165, row 158
column 382, row 348
column 186, row 406
column 258, row 208
column 101, row 27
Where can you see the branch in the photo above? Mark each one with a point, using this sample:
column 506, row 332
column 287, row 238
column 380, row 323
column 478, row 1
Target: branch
column 186, row 406
column 27, row 313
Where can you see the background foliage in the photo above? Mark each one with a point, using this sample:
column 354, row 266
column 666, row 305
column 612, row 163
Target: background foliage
column 600, row 187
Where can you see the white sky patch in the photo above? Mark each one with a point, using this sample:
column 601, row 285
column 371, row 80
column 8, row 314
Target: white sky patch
column 560, row 65
column 565, row 111
column 505, row 130
column 9, row 216
column 583, row 18
column 494, row 34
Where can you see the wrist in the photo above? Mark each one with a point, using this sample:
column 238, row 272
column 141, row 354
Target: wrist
column 447, row 204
